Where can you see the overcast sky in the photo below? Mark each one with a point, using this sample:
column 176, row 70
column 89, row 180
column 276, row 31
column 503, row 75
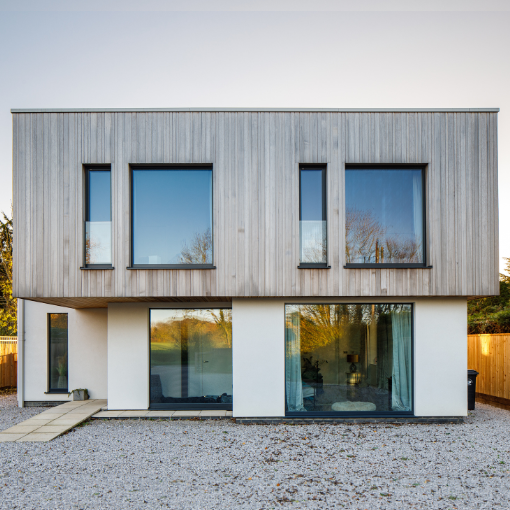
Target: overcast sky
column 395, row 53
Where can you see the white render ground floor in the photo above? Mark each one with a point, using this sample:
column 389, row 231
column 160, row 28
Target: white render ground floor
column 260, row 358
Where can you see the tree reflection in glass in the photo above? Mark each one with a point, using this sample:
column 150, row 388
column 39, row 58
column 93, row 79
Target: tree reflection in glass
column 172, row 216
column 191, row 357
column 384, row 216
column 348, row 358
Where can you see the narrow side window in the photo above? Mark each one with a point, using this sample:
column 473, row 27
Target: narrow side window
column 312, row 217
column 98, row 218
column 57, row 352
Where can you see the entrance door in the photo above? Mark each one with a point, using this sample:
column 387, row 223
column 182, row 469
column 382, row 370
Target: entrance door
column 191, row 358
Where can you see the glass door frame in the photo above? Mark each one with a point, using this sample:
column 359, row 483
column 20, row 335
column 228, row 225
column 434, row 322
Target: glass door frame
column 356, row 414
column 172, row 406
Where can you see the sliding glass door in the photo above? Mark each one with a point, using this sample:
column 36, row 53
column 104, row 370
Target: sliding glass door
column 348, row 358
column 191, row 358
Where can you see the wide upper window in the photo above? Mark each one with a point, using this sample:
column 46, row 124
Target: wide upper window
column 172, row 216
column 348, row 358
column 98, row 218
column 384, row 216
column 312, row 217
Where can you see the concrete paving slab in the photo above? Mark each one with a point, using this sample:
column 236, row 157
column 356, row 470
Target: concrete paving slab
column 212, row 414
column 33, row 421
column 69, row 421
column 53, row 429
column 160, row 414
column 132, row 414
column 107, row 414
column 53, row 422
column 43, row 416
column 229, row 413
column 83, row 410
column 37, row 436
column 188, row 414
column 10, row 438
column 20, row 429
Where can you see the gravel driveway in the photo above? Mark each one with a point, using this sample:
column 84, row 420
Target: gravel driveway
column 217, row 464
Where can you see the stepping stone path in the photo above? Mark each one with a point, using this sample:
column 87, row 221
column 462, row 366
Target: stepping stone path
column 53, row 422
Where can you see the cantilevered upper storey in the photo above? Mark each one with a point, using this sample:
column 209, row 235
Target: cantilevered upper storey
column 170, row 204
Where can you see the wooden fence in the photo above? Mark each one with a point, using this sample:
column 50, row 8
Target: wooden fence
column 8, row 361
column 489, row 355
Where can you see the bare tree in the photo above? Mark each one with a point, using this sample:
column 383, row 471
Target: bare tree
column 200, row 249
column 362, row 232
column 367, row 240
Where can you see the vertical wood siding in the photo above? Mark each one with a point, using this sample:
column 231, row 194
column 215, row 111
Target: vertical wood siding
column 255, row 158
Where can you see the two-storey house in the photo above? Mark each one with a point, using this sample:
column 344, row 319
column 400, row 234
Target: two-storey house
column 274, row 262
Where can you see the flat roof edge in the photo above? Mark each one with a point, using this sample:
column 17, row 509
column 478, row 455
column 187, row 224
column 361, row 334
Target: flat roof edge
column 298, row 110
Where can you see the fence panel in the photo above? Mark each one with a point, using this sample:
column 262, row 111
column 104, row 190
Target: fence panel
column 8, row 361
column 490, row 356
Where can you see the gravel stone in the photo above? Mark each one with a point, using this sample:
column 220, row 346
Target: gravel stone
column 219, row 464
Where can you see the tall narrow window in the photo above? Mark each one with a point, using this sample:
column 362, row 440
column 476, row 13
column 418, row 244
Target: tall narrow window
column 312, row 217
column 57, row 352
column 384, row 216
column 191, row 358
column 172, row 217
column 98, row 218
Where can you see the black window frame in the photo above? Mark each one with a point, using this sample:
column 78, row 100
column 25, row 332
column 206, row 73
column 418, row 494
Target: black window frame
column 403, row 167
column 50, row 390
column 173, row 166
column 324, row 169
column 87, row 170
column 358, row 414
column 186, row 407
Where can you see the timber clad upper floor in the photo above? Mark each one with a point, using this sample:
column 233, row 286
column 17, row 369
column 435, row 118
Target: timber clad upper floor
column 256, row 163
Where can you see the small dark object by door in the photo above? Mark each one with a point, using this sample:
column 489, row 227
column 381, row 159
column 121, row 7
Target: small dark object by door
column 471, row 389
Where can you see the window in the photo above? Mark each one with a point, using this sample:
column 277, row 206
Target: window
column 384, row 216
column 57, row 352
column 172, row 217
column 98, row 218
column 354, row 358
column 191, row 358
column 312, row 217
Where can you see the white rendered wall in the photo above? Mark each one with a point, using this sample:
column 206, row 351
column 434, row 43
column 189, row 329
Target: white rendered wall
column 441, row 357
column 440, row 354
column 128, row 351
column 128, row 356
column 258, row 357
column 86, row 351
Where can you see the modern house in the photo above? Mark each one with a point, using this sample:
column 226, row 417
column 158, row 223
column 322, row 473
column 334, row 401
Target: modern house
column 275, row 262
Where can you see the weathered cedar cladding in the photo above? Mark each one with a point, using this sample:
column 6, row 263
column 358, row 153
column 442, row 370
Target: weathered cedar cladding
column 255, row 156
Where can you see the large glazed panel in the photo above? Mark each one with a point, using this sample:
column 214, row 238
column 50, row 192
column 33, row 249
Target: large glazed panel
column 348, row 358
column 191, row 357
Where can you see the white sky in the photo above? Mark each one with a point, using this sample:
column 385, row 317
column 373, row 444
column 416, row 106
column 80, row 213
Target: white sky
column 278, row 53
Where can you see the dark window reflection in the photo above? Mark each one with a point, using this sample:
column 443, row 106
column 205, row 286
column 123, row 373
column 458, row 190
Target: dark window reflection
column 191, row 356
column 384, row 216
column 98, row 220
column 312, row 224
column 172, row 216
column 348, row 358
column 58, row 351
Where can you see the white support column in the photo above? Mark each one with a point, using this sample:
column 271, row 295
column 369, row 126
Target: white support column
column 440, row 357
column 128, row 356
column 258, row 357
column 21, row 353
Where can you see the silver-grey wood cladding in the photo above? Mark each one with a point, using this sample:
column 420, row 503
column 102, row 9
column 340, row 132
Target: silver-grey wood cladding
column 255, row 157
